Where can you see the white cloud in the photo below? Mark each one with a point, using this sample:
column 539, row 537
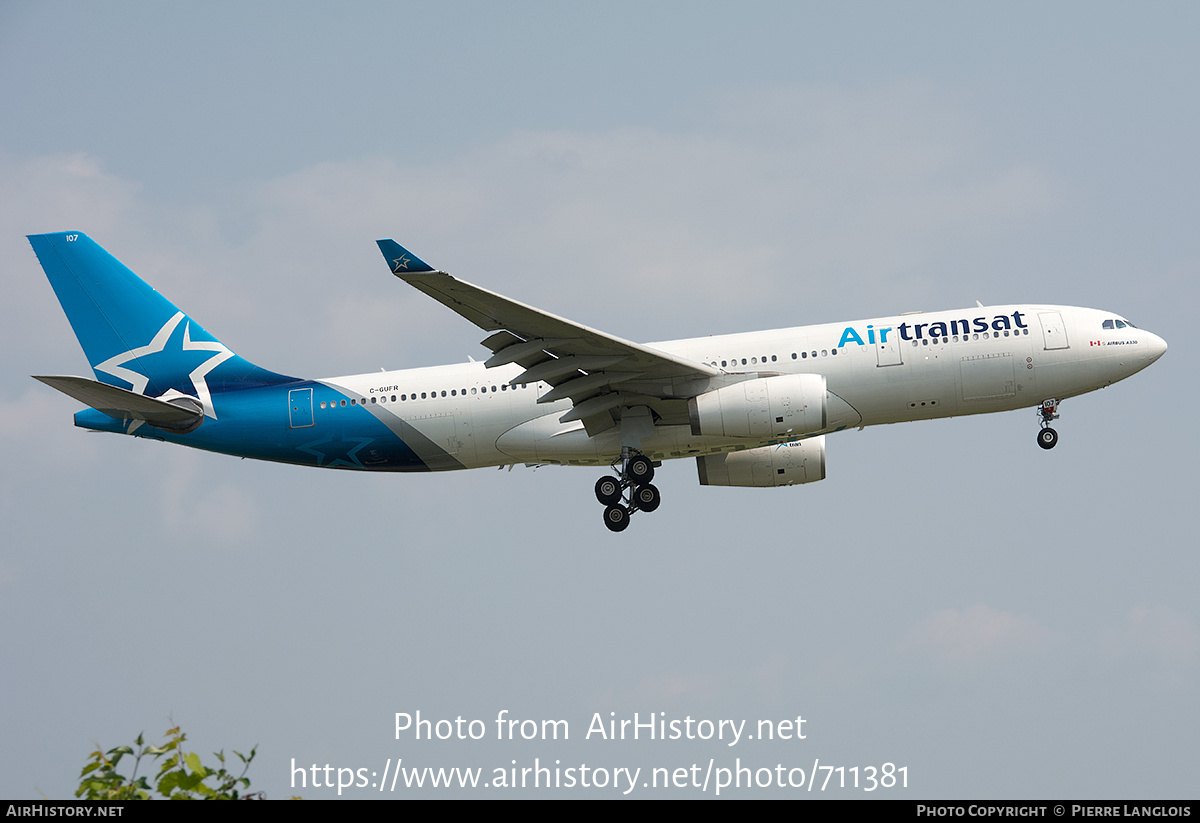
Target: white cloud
column 785, row 192
column 60, row 192
column 784, row 200
column 979, row 634
column 1155, row 632
column 37, row 434
column 196, row 512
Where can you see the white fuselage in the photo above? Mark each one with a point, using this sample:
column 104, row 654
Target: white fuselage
column 885, row 370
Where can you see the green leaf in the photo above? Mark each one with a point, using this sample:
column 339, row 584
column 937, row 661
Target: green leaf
column 193, row 761
column 181, row 775
column 168, row 783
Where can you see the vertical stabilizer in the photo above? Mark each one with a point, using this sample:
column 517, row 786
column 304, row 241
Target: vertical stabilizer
column 133, row 337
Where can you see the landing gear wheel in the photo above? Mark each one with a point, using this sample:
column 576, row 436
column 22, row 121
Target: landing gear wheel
column 608, row 490
column 630, row 491
column 639, row 470
column 647, row 497
column 616, row 518
column 1047, row 438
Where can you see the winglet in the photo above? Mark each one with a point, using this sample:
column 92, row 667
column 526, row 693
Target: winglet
column 401, row 260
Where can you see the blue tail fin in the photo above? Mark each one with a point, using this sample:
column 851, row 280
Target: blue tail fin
column 134, row 337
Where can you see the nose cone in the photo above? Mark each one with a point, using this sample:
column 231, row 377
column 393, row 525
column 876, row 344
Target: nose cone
column 1157, row 346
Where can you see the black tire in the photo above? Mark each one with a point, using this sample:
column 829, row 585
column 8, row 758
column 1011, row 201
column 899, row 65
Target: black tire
column 647, row 498
column 616, row 518
column 608, row 490
column 1047, row 438
column 639, row 470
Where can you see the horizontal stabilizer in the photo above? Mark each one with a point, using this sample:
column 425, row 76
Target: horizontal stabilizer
column 123, row 404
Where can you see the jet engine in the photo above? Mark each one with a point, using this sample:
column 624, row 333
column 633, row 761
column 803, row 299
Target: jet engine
column 787, row 405
column 784, row 465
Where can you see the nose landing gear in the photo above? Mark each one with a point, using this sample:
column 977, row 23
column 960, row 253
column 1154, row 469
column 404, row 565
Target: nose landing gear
column 630, row 492
column 1047, row 412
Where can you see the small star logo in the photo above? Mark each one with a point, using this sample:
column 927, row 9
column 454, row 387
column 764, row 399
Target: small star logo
column 400, row 263
column 337, row 450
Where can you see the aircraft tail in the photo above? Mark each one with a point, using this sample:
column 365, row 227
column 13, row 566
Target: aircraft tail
column 133, row 337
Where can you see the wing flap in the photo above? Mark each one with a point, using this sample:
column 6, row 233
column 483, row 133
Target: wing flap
column 524, row 352
column 551, row 371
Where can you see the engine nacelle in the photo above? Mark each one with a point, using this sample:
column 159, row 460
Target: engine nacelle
column 784, row 465
column 788, row 405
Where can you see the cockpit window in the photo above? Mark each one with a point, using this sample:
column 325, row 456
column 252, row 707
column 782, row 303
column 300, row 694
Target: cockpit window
column 1118, row 324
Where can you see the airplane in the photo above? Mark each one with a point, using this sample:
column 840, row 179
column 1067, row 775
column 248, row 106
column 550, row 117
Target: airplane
column 752, row 409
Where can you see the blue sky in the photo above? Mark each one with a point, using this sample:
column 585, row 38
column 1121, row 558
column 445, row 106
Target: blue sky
column 1003, row 621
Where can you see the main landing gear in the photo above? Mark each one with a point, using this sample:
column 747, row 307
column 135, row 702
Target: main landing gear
column 1047, row 412
column 628, row 493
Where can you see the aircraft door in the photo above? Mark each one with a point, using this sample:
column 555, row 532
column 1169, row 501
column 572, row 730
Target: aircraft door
column 461, row 442
column 1054, row 331
column 300, row 412
column 888, row 353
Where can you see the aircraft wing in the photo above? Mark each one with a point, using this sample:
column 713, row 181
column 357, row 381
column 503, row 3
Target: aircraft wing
column 597, row 371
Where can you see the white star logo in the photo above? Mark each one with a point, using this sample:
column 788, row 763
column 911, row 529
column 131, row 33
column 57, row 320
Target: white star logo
column 400, row 263
column 138, row 381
